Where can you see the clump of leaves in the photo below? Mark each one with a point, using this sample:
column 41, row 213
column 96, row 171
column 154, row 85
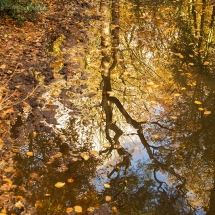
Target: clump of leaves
column 21, row 9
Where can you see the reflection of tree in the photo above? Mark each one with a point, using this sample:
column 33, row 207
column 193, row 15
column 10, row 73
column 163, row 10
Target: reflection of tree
column 194, row 71
column 109, row 102
column 58, row 158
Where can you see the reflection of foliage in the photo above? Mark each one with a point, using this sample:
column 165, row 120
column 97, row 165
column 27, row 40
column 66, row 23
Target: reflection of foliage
column 56, row 159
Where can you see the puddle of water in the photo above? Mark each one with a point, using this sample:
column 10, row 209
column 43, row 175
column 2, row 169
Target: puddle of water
column 134, row 122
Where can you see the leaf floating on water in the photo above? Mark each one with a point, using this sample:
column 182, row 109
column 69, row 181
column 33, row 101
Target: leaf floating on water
column 190, row 64
column 107, row 198
column 114, row 209
column 93, row 152
column 198, row 102
column 30, row 154
column 90, row 209
column 15, row 150
column 85, row 156
column 107, row 145
column 177, row 94
column 174, row 117
column 70, row 180
column 207, row 112
column 107, row 185
column 59, row 184
column 155, row 136
column 78, row 209
column 200, row 109
column 206, row 63
column 75, row 159
column 47, row 194
column 68, row 210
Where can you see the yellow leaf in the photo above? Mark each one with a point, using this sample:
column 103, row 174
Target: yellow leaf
column 107, row 145
column 78, row 209
column 15, row 150
column 68, row 210
column 70, row 180
column 59, row 184
column 191, row 64
column 85, row 156
column 155, row 136
column 200, row 109
column 90, row 209
column 207, row 112
column 206, row 63
column 177, row 94
column 114, row 209
column 107, row 198
column 94, row 152
column 198, row 102
column 174, row 117
column 30, row 154
column 47, row 194
column 107, row 185
column 3, row 66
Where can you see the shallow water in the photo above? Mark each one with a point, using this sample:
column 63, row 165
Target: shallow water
column 133, row 124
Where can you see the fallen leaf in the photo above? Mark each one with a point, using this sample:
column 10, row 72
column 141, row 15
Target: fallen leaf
column 200, row 109
column 30, row 154
column 15, row 150
column 68, row 210
column 3, row 66
column 59, row 184
column 94, row 152
column 155, row 136
column 107, row 145
column 78, row 209
column 19, row 205
column 198, row 102
column 107, row 198
column 207, row 112
column 177, row 94
column 206, row 63
column 174, row 117
column 107, row 185
column 47, row 194
column 85, row 156
column 114, row 209
column 70, row 180
column 90, row 209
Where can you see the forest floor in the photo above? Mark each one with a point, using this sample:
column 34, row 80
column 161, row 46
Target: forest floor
column 27, row 67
